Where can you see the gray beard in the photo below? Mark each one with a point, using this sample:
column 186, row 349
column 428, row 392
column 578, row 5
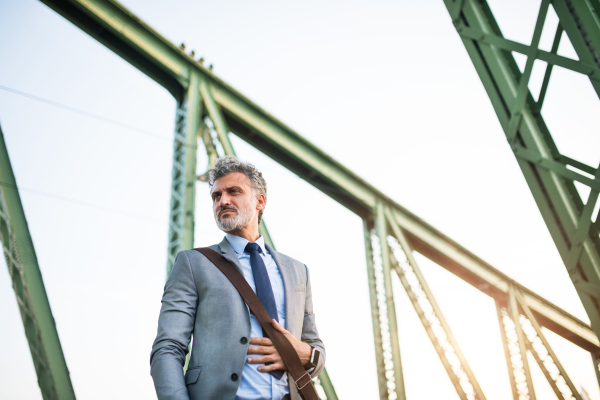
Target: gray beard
column 243, row 218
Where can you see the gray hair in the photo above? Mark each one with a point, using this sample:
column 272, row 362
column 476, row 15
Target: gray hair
column 229, row 164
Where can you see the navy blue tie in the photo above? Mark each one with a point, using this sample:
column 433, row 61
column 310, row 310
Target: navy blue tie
column 264, row 290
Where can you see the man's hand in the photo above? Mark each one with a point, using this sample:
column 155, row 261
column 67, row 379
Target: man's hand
column 271, row 355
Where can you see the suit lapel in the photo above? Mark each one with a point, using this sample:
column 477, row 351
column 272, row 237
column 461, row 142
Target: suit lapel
column 288, row 283
column 228, row 252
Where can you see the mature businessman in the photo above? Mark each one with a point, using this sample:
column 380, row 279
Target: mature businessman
column 231, row 358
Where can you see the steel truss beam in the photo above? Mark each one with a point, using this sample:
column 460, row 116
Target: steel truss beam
column 513, row 311
column 510, row 350
column 183, row 178
column 596, row 361
column 516, row 358
column 431, row 316
column 521, row 332
column 375, row 288
column 385, row 297
column 40, row 329
column 545, row 357
column 128, row 36
column 549, row 174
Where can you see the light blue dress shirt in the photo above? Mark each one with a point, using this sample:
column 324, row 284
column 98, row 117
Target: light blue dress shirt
column 256, row 385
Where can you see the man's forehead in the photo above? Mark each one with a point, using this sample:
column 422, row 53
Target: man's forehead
column 234, row 179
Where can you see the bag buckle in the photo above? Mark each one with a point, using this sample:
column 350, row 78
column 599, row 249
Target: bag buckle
column 307, row 381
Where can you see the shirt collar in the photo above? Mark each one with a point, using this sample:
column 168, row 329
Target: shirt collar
column 238, row 243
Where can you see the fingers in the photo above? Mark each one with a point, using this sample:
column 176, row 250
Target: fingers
column 278, row 326
column 264, row 359
column 263, row 341
column 272, row 367
column 261, row 350
column 271, row 357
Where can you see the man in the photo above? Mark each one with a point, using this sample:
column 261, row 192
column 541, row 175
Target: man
column 231, row 358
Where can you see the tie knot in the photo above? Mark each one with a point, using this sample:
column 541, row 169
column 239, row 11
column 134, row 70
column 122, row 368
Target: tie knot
column 250, row 247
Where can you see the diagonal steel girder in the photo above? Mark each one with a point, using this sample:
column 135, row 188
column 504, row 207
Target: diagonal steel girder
column 40, row 329
column 567, row 216
column 128, row 36
column 544, row 355
column 432, row 318
column 183, row 175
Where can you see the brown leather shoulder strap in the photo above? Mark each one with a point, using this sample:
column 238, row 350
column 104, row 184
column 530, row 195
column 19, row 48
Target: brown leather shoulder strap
column 287, row 352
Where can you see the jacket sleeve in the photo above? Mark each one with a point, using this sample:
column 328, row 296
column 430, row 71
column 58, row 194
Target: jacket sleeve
column 175, row 326
column 310, row 334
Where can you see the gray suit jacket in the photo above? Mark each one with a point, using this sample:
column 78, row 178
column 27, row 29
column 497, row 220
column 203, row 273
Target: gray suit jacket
column 199, row 300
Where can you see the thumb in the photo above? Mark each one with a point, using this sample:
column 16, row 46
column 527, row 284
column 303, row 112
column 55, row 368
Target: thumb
column 278, row 326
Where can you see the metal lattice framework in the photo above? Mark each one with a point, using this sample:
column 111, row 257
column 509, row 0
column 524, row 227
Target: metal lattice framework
column 40, row 329
column 550, row 175
column 432, row 318
column 518, row 369
column 388, row 327
column 181, row 229
column 521, row 333
column 209, row 110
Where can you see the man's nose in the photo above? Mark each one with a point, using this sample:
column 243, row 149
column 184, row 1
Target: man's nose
column 225, row 200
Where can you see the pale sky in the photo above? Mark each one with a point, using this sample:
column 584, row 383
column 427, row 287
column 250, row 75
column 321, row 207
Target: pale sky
column 385, row 87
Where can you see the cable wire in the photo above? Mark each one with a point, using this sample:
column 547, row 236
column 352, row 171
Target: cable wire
column 91, row 205
column 82, row 203
column 87, row 114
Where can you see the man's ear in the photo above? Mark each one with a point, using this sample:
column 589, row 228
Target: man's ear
column 260, row 201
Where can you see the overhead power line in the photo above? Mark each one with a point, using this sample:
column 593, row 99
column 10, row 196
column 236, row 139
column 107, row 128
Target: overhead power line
column 92, row 205
column 87, row 114
column 82, row 203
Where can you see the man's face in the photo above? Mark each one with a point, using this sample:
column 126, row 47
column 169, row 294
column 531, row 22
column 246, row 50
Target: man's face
column 234, row 203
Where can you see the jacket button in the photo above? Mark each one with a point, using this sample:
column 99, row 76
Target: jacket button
column 243, row 340
column 234, row 377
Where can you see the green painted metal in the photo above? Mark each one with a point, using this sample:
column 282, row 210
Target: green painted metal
column 120, row 30
column 567, row 215
column 538, row 360
column 217, row 118
column 500, row 310
column 327, row 385
column 154, row 55
column 368, row 226
column 435, row 324
column 548, row 357
column 211, row 149
column 40, row 328
column 445, row 252
column 393, row 359
column 546, row 81
column 170, row 66
column 596, row 363
column 262, row 229
column 183, row 179
column 513, row 309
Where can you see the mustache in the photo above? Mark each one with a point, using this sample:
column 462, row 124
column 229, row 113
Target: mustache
column 223, row 208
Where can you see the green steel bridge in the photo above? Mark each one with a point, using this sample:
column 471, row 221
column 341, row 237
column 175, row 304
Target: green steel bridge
column 209, row 110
